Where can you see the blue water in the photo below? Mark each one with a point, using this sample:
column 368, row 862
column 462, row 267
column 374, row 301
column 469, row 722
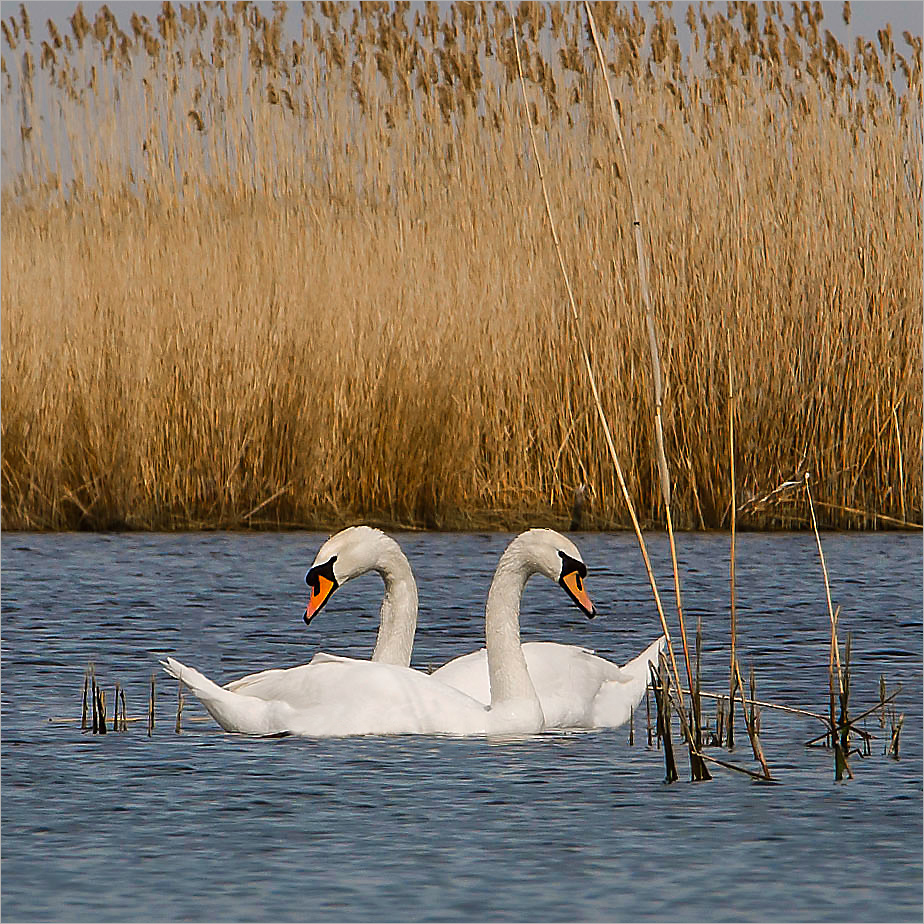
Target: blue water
column 207, row 826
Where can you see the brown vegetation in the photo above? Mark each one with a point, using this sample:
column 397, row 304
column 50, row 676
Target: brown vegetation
column 249, row 280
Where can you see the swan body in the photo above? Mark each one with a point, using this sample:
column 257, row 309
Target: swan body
column 335, row 696
column 576, row 688
column 332, row 696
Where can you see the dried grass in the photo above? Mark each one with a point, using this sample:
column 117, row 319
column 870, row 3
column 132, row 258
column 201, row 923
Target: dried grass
column 281, row 283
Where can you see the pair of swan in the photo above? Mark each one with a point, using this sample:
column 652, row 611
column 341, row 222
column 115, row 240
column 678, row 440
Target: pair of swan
column 508, row 688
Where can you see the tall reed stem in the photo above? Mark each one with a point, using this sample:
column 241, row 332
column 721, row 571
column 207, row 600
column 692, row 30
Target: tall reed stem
column 731, row 563
column 587, row 365
column 699, row 770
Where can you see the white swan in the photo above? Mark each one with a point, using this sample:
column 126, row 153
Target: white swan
column 350, row 553
column 334, row 696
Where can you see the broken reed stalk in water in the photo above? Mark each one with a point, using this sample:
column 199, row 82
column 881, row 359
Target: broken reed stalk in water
column 842, row 742
column 755, row 712
column 719, row 734
column 94, row 701
column 695, row 697
column 882, row 693
column 897, row 724
column 179, row 707
column 101, row 707
column 825, row 736
column 86, row 684
column 120, row 717
column 751, row 726
column 151, row 707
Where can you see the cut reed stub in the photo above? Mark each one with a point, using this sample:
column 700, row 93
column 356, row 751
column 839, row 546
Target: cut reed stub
column 896, row 733
column 151, row 707
column 751, row 723
column 83, row 712
column 882, row 697
column 101, row 709
column 94, row 700
column 179, row 707
column 660, row 681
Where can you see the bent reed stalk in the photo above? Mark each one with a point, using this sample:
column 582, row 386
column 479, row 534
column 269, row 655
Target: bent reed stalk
column 253, row 281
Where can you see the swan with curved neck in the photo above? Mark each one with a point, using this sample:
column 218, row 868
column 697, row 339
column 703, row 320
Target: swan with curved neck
column 358, row 550
column 334, row 696
column 354, row 551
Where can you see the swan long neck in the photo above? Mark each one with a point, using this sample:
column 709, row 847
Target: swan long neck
column 398, row 618
column 507, row 670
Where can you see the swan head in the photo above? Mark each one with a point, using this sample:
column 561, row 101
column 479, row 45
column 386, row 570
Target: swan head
column 346, row 555
column 557, row 557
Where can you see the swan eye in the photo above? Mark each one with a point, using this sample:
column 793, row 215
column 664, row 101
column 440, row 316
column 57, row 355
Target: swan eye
column 569, row 565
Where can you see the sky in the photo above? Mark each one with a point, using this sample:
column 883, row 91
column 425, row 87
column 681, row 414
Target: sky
column 868, row 15
column 867, row 18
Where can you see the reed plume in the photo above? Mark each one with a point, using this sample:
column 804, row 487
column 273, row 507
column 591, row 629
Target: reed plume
column 254, row 281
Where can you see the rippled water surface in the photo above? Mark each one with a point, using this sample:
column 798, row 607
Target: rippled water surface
column 207, row 826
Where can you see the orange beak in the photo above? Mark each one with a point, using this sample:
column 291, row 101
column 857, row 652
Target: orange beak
column 574, row 585
column 319, row 596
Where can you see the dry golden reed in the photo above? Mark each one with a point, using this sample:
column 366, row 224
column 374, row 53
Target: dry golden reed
column 251, row 280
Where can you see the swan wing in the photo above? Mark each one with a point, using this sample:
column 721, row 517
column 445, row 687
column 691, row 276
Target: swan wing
column 566, row 679
column 350, row 697
column 576, row 687
column 468, row 673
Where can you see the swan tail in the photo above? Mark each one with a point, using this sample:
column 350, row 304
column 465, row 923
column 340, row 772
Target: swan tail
column 232, row 711
column 617, row 698
column 197, row 682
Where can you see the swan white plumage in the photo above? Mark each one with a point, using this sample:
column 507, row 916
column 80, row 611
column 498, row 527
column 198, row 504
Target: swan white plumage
column 335, row 696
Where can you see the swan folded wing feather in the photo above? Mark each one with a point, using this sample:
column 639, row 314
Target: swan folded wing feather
column 284, row 683
column 576, row 687
column 562, row 675
column 614, row 703
column 370, row 698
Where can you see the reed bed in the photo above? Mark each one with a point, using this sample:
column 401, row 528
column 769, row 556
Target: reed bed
column 255, row 280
